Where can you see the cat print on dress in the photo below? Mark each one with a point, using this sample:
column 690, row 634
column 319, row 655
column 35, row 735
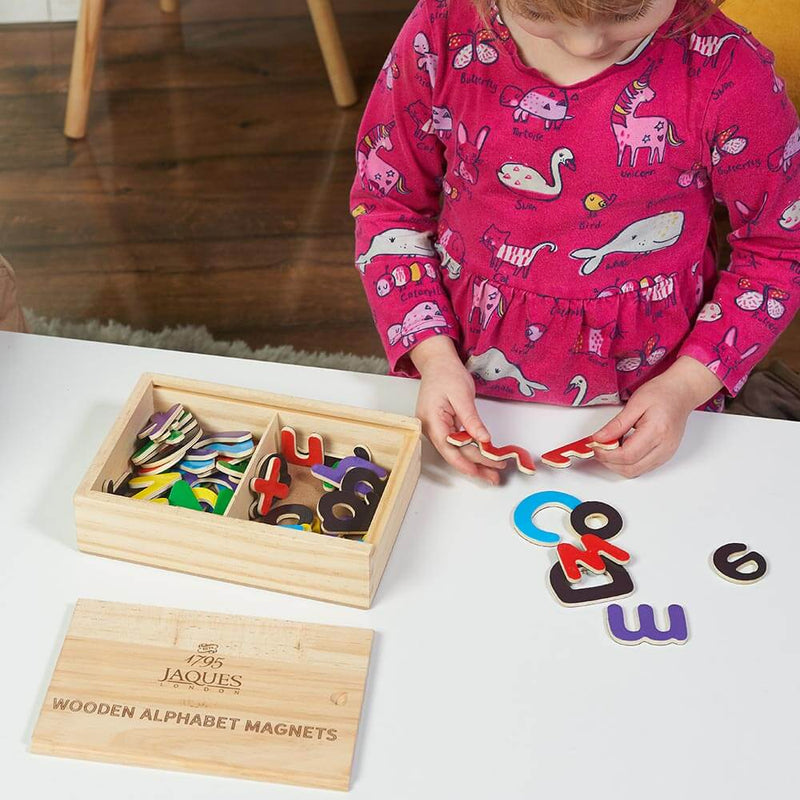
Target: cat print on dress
column 505, row 254
column 450, row 247
column 403, row 275
column 709, row 47
column 729, row 357
column 427, row 61
column 473, row 46
column 524, row 179
column 402, row 242
column 376, row 174
column 727, row 143
column 580, row 386
column 781, row 159
column 634, row 133
column 492, row 365
column 546, row 103
column 430, row 121
column 423, row 317
column 790, row 218
column 487, row 300
column 640, row 237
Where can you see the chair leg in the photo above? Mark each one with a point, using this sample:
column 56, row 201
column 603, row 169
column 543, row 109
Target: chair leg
column 169, row 6
column 84, row 57
column 344, row 91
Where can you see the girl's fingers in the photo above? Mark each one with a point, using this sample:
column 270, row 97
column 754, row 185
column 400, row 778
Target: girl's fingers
column 471, row 452
column 655, row 458
column 632, row 450
column 621, row 424
column 467, row 413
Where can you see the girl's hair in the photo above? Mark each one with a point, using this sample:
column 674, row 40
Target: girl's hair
column 688, row 14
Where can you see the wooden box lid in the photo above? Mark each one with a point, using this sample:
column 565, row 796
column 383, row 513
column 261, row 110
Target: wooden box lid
column 238, row 696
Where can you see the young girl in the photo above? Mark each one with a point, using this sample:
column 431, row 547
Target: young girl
column 534, row 203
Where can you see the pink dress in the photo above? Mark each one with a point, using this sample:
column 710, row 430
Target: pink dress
column 562, row 236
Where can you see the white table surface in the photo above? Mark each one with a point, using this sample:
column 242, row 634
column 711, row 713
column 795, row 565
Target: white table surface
column 480, row 686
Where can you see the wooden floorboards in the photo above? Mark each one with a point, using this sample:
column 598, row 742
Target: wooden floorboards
column 212, row 187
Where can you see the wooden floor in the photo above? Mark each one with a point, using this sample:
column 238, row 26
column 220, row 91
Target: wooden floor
column 212, row 187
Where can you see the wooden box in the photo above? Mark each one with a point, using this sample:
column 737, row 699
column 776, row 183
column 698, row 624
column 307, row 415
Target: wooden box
column 231, row 547
column 238, row 696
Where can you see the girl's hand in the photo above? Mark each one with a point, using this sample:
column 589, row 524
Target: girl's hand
column 446, row 403
column 657, row 411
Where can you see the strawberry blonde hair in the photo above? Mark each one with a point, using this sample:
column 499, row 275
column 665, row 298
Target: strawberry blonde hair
column 694, row 12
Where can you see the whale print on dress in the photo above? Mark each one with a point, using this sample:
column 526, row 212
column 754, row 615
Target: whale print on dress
column 397, row 242
column 492, row 365
column 423, row 317
column 640, row 237
column 527, row 181
column 634, row 133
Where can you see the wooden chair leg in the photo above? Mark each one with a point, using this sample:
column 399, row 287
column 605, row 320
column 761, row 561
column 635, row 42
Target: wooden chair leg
column 344, row 90
column 169, row 6
column 84, row 57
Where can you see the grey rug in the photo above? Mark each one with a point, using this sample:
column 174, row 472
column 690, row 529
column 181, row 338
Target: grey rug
column 197, row 339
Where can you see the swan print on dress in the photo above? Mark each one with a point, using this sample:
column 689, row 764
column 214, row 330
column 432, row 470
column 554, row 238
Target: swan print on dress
column 397, row 242
column 544, row 102
column 580, row 385
column 524, row 179
column 643, row 236
column 423, row 317
column 634, row 133
column 492, row 365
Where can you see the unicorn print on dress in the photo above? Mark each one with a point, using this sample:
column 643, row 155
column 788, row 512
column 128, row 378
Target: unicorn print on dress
column 487, row 300
column 790, row 218
column 450, row 247
column 580, row 385
column 781, row 159
column 397, row 242
column 423, row 317
column 643, row 236
column 707, row 46
column 503, row 253
column 376, row 174
column 641, row 133
column 526, row 180
column 729, row 357
column 427, row 60
column 544, row 102
column 492, row 365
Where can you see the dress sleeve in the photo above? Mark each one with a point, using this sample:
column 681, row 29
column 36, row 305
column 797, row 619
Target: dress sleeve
column 395, row 198
column 753, row 155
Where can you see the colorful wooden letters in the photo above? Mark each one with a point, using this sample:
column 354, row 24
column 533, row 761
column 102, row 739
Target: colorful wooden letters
column 532, row 505
column 677, row 631
column 315, row 454
column 583, row 448
column 593, row 557
column 356, row 508
column 570, row 594
column 522, row 457
column 731, row 570
column 273, row 483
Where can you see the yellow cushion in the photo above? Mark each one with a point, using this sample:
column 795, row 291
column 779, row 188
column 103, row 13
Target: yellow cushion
column 774, row 23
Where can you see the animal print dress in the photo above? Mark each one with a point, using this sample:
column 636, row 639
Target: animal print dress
column 562, row 235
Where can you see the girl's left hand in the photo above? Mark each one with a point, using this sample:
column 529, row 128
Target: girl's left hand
column 657, row 412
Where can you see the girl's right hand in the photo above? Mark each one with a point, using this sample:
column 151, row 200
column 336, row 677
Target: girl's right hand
column 446, row 404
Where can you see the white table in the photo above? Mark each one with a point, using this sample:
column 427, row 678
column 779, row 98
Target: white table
column 480, row 686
